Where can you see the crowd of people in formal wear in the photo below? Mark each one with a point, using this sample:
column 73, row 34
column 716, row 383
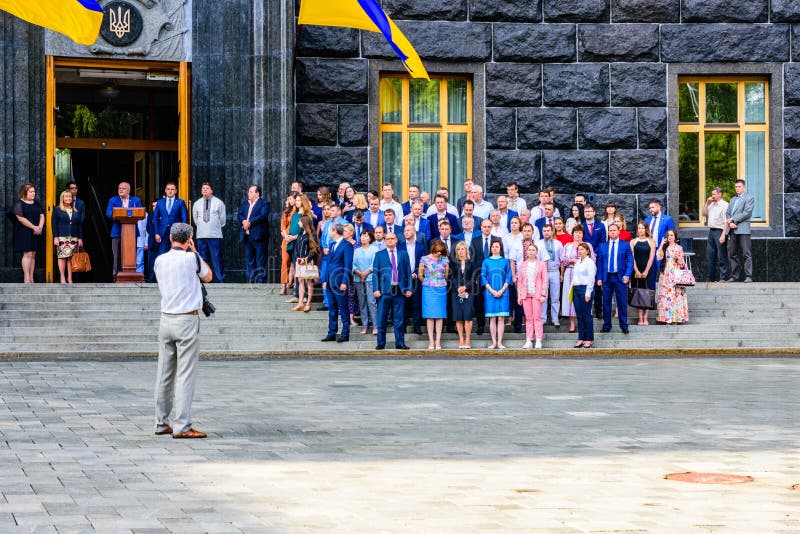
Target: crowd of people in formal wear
column 454, row 266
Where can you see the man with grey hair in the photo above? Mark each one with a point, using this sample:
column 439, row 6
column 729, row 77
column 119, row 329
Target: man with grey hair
column 179, row 273
column 482, row 207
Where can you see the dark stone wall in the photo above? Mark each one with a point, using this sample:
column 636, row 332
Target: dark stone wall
column 22, row 126
column 575, row 93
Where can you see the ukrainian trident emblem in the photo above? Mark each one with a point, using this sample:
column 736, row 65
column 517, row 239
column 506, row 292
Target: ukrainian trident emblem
column 122, row 23
column 118, row 23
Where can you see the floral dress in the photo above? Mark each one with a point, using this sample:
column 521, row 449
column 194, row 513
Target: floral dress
column 673, row 307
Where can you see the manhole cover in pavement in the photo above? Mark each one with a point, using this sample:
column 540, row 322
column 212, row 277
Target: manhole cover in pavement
column 709, row 478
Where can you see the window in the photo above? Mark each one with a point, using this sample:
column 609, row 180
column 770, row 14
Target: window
column 722, row 137
column 426, row 133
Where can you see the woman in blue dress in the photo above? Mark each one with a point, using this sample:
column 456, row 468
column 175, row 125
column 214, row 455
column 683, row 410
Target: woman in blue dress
column 496, row 278
column 433, row 271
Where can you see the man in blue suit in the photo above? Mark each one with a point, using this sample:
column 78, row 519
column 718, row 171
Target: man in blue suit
column 169, row 210
column 416, row 247
column 548, row 209
column 441, row 214
column 391, row 224
column 469, row 232
column 506, row 214
column 594, row 233
column 614, row 269
column 391, row 279
column 421, row 223
column 254, row 234
column 336, row 283
column 122, row 200
column 413, row 195
column 374, row 216
column 658, row 222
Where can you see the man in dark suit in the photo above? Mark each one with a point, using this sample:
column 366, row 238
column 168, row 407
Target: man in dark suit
column 479, row 251
column 737, row 232
column 374, row 216
column 169, row 210
column 505, row 214
column 122, row 200
column 254, row 234
column 415, row 247
column 413, row 195
column 594, row 233
column 467, row 196
column 549, row 211
column 614, row 269
column 441, row 214
column 152, row 245
column 469, row 232
column 390, row 224
column 338, row 280
column 421, row 224
column 359, row 225
column 391, row 280
column 469, row 211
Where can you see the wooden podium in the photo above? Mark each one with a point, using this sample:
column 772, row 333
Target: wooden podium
column 127, row 218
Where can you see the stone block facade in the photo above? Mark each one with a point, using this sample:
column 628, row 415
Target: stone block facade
column 576, row 93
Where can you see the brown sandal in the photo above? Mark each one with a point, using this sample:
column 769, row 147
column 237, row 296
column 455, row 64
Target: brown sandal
column 299, row 307
column 307, row 308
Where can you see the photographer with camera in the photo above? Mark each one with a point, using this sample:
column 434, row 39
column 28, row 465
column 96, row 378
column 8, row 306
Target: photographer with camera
column 179, row 273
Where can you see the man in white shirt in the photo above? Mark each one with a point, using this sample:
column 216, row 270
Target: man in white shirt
column 498, row 230
column 467, row 196
column 208, row 213
column 714, row 212
column 515, row 202
column 505, row 213
column 374, row 215
column 550, row 252
column 179, row 272
column 538, row 212
column 442, row 192
column 389, row 203
column 482, row 207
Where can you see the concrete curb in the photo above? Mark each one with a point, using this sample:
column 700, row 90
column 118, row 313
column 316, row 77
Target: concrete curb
column 450, row 354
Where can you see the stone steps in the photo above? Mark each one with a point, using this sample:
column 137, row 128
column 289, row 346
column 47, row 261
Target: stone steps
column 107, row 320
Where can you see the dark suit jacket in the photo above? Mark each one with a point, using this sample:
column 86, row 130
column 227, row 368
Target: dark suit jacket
column 340, row 265
column 382, row 272
column 475, row 235
column 398, row 230
column 598, row 236
column 541, row 221
column 433, row 223
column 476, row 248
column 80, row 205
column 464, row 278
column 116, row 202
column 63, row 226
column 259, row 222
column 162, row 221
column 624, row 254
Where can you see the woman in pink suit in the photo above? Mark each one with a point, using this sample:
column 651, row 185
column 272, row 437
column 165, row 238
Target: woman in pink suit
column 532, row 285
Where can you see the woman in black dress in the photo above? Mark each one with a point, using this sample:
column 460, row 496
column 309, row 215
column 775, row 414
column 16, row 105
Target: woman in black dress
column 644, row 251
column 28, row 229
column 66, row 225
column 462, row 288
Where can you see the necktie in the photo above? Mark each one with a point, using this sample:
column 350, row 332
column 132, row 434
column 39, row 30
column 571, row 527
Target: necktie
column 169, row 205
column 358, row 234
column 653, row 227
column 394, row 267
column 485, row 247
column 591, row 228
column 333, row 247
column 612, row 260
column 550, row 221
column 206, row 212
column 447, row 244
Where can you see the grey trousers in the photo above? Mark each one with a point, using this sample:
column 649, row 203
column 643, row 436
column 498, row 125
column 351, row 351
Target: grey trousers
column 740, row 244
column 367, row 303
column 116, row 253
column 178, row 351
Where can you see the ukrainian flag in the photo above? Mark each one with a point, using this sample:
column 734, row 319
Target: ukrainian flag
column 363, row 15
column 79, row 20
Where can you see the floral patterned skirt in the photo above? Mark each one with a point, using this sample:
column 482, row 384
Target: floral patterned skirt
column 66, row 246
column 673, row 306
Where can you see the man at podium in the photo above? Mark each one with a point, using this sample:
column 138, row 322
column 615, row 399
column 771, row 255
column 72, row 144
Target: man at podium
column 122, row 200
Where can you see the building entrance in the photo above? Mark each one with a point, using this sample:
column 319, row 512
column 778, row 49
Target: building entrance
column 109, row 122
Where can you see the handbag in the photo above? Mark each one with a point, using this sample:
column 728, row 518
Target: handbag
column 684, row 277
column 80, row 262
column 642, row 298
column 311, row 272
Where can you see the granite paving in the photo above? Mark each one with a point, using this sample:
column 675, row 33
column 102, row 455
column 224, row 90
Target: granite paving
column 533, row 445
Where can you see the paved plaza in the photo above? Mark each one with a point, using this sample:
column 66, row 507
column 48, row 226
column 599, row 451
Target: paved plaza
column 534, row 445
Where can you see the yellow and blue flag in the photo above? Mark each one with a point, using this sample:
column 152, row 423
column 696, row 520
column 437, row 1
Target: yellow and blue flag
column 363, row 15
column 79, row 20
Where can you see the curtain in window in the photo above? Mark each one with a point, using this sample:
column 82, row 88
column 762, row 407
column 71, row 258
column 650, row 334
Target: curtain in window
column 456, row 164
column 424, row 161
column 457, row 101
column 391, row 91
column 392, row 161
column 424, row 102
column 755, row 172
column 754, row 101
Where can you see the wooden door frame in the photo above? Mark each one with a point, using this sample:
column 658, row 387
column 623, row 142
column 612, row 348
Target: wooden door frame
column 182, row 146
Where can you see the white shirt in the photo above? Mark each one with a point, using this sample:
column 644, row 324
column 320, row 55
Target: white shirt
column 395, row 206
column 612, row 258
column 141, row 239
column 500, row 231
column 410, row 249
column 371, row 218
column 716, row 214
column 531, row 277
column 468, row 237
column 518, row 204
column 553, row 262
column 584, row 273
column 216, row 218
column 450, row 209
column 512, row 246
column 178, row 281
column 483, row 210
column 538, row 212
